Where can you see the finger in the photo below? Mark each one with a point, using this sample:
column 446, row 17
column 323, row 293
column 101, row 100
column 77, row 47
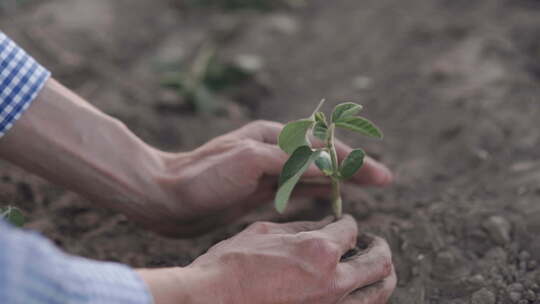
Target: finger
column 343, row 232
column 261, row 130
column 370, row 266
column 378, row 293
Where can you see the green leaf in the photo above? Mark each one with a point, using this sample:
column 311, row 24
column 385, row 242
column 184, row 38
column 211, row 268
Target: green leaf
column 324, row 163
column 12, row 215
column 320, row 117
column 320, row 130
column 345, row 110
column 360, row 125
column 352, row 163
column 293, row 169
column 293, row 135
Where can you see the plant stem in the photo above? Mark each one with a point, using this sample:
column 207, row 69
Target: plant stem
column 336, row 198
column 336, row 189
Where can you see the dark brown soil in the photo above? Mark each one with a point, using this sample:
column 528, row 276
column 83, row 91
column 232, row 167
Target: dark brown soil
column 454, row 84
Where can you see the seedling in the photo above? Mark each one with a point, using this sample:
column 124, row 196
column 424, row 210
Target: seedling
column 295, row 141
column 12, row 215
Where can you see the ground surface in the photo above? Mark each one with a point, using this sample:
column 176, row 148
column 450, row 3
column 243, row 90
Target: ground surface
column 454, row 84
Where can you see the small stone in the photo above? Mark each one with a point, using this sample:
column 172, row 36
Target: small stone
column 477, row 280
column 498, row 228
column 530, row 295
column 515, row 287
column 249, row 62
column 362, row 82
column 514, row 296
column 283, row 24
column 483, row 296
column 532, row 264
column 524, row 255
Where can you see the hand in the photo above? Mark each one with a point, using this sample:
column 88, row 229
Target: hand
column 232, row 174
column 68, row 141
column 291, row 263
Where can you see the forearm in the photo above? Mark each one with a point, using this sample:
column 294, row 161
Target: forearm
column 66, row 140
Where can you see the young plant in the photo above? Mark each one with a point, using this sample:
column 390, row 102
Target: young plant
column 294, row 140
column 13, row 215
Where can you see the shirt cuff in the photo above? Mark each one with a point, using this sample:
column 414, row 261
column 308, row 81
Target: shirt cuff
column 21, row 79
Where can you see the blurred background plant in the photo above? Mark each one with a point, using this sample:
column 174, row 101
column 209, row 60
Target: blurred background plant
column 13, row 215
column 201, row 83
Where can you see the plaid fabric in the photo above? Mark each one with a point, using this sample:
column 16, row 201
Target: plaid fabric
column 21, row 78
column 33, row 271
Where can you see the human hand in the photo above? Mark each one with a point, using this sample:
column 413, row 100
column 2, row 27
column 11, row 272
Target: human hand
column 232, row 174
column 290, row 263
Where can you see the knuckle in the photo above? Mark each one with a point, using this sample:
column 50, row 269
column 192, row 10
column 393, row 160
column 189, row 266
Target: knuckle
column 248, row 147
column 319, row 247
column 261, row 123
column 261, row 227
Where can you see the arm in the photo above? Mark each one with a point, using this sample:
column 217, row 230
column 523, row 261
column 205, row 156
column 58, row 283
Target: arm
column 68, row 141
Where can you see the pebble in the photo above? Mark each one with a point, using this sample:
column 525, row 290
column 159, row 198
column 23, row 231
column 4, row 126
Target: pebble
column 524, row 255
column 477, row 280
column 515, row 296
column 532, row 265
column 530, row 295
column 284, row 24
column 499, row 229
column 362, row 82
column 483, row 296
column 249, row 62
column 515, row 287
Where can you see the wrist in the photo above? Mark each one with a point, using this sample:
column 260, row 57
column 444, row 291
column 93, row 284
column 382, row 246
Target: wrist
column 189, row 285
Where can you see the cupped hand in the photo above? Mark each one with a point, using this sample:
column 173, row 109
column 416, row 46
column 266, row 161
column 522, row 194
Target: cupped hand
column 292, row 263
column 230, row 175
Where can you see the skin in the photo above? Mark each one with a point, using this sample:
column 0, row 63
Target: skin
column 68, row 141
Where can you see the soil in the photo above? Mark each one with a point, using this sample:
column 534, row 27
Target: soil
column 454, row 84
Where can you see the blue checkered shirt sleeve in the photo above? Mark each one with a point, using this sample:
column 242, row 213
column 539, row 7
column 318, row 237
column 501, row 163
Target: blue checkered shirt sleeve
column 32, row 270
column 21, row 78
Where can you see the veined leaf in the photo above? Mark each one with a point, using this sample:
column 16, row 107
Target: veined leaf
column 293, row 135
column 324, row 163
column 345, row 110
column 320, row 130
column 352, row 163
column 12, row 215
column 293, row 169
column 360, row 125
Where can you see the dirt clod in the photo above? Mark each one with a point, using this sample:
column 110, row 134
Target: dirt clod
column 499, row 229
column 483, row 296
